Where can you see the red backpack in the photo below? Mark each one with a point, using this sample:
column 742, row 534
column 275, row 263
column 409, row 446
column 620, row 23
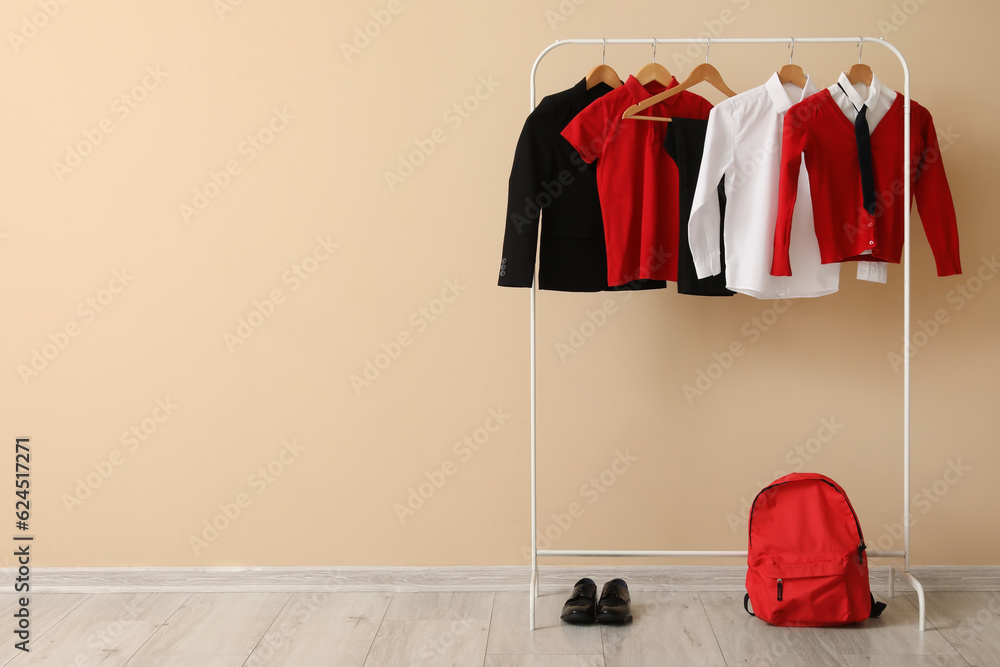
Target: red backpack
column 807, row 561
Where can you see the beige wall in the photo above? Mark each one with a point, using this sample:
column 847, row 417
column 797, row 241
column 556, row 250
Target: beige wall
column 170, row 284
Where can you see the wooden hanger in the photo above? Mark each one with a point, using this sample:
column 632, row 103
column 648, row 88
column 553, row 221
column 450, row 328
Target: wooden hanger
column 703, row 72
column 860, row 73
column 603, row 73
column 654, row 71
column 792, row 73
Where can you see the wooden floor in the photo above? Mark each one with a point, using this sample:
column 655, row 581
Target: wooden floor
column 479, row 629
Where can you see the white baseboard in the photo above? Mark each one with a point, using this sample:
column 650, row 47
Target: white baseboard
column 480, row 578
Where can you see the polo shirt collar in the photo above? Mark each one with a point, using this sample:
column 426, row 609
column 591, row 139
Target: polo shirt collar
column 779, row 96
column 639, row 92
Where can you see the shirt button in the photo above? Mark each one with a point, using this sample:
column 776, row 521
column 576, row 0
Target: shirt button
column 871, row 224
column 871, row 243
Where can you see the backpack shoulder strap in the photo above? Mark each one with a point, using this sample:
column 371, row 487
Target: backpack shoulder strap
column 877, row 608
column 746, row 603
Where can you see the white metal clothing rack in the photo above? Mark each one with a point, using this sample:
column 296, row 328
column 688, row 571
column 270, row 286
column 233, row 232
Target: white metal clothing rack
column 904, row 573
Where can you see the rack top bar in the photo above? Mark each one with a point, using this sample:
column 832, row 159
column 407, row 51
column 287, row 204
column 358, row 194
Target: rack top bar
column 736, row 40
column 724, row 40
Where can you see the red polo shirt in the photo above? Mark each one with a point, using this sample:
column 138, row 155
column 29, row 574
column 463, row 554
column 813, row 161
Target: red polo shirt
column 636, row 179
column 818, row 128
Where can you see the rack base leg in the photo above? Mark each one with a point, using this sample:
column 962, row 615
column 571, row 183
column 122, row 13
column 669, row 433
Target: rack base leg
column 921, row 599
column 532, row 594
column 892, row 582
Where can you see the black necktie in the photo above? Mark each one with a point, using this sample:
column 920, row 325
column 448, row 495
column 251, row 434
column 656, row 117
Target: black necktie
column 862, row 136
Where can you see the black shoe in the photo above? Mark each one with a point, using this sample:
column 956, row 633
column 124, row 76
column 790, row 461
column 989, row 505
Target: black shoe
column 615, row 603
column 581, row 607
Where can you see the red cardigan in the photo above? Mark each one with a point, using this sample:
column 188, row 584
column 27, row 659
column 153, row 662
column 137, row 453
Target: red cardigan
column 817, row 127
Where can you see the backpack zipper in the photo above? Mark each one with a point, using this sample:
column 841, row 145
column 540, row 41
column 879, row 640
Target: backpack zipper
column 857, row 523
column 780, row 590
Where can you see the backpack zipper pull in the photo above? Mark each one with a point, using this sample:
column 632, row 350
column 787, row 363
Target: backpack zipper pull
column 861, row 551
column 780, row 590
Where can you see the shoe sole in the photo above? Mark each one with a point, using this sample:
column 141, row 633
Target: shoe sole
column 577, row 619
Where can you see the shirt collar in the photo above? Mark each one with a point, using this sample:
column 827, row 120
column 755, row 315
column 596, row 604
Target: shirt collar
column 581, row 96
column 779, row 96
column 580, row 92
column 874, row 92
column 639, row 92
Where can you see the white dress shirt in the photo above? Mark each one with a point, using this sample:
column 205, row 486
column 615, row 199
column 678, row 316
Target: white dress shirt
column 743, row 143
column 878, row 98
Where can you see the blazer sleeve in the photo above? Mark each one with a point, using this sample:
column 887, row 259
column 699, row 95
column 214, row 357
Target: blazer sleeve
column 705, row 224
column 934, row 201
column 794, row 136
column 533, row 159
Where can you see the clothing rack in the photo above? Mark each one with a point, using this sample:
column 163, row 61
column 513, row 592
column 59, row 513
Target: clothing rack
column 904, row 572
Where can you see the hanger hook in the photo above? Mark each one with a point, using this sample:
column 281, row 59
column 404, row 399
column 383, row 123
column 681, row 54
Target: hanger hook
column 604, row 53
column 654, row 49
column 791, row 54
column 861, row 48
column 708, row 49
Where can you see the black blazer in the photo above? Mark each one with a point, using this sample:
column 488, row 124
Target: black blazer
column 549, row 180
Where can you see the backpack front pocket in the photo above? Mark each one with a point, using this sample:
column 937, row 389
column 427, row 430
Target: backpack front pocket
column 806, row 594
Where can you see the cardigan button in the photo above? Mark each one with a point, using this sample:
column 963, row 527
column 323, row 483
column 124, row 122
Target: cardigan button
column 871, row 243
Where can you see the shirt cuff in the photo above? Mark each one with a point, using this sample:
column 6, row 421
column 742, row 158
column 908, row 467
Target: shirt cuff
column 875, row 272
column 949, row 267
column 708, row 266
column 780, row 267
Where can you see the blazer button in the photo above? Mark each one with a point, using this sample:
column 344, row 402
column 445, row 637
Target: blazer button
column 503, row 273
